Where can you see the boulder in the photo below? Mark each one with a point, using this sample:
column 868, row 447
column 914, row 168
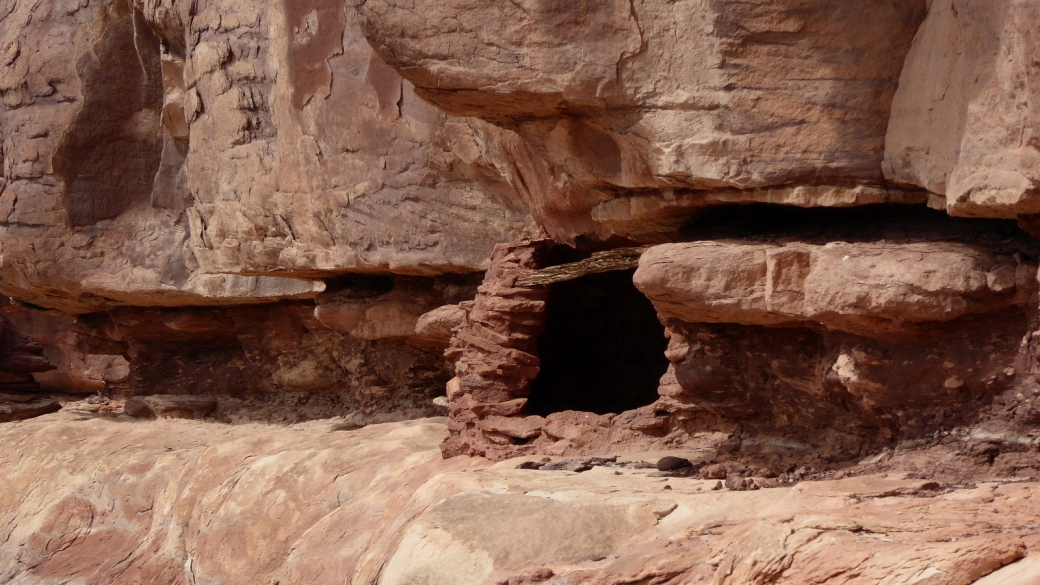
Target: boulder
column 436, row 326
column 371, row 319
column 171, row 406
column 671, row 463
column 137, row 407
column 15, row 408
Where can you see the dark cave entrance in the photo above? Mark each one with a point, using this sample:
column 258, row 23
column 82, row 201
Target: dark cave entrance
column 762, row 222
column 602, row 350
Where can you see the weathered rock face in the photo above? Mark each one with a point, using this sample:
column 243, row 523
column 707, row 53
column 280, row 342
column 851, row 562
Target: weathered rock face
column 310, row 157
column 893, row 330
column 831, row 333
column 75, row 371
column 20, row 358
column 839, row 395
column 874, row 290
column 496, row 353
column 655, row 94
column 80, row 226
column 281, row 352
column 296, row 201
column 309, row 154
column 964, row 121
column 256, row 215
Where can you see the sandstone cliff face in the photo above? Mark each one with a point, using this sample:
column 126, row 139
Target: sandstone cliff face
column 166, row 155
column 674, row 112
column 654, row 94
column 310, row 157
column 781, row 240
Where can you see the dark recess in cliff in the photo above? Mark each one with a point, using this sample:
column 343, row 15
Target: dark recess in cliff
column 602, row 350
column 110, row 157
column 868, row 223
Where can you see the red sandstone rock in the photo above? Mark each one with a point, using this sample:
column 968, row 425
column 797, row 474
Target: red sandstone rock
column 75, row 372
column 169, row 406
column 261, row 352
column 868, row 289
column 496, row 349
column 329, row 163
column 20, row 358
column 716, row 471
column 137, row 407
column 199, row 185
column 436, row 326
column 17, row 409
column 102, row 498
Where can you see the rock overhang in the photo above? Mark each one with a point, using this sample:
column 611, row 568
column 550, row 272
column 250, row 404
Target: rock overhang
column 870, row 289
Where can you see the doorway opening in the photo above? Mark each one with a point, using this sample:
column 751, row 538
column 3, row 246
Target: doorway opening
column 602, row 350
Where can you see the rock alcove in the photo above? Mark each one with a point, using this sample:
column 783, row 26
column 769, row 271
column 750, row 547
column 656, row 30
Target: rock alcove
column 602, row 350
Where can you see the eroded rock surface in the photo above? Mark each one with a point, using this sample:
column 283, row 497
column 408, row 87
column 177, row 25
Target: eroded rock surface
column 964, row 120
column 83, row 224
column 652, row 94
column 310, row 156
column 75, row 371
column 20, row 358
column 496, row 353
column 282, row 212
column 272, row 350
column 379, row 505
column 867, row 289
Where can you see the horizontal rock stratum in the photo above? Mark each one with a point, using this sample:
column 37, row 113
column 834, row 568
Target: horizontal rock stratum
column 869, row 289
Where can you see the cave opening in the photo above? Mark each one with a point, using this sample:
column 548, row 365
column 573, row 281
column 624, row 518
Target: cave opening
column 867, row 223
column 602, row 350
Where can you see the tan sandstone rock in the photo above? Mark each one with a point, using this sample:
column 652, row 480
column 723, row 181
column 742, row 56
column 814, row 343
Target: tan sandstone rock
column 82, row 223
column 174, row 501
column 965, row 118
column 657, row 94
column 153, row 158
column 867, row 288
column 436, row 326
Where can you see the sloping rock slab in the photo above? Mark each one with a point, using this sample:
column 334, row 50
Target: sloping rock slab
column 114, row 501
column 12, row 410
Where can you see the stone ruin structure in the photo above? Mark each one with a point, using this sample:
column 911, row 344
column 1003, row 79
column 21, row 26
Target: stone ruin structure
column 804, row 226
